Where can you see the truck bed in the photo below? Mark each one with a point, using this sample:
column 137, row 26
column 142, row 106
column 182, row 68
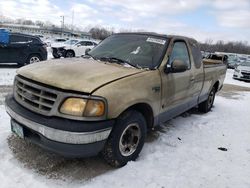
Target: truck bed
column 213, row 72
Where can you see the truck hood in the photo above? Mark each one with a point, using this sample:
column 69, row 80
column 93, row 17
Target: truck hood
column 76, row 74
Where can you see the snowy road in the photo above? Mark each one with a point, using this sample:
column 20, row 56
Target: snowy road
column 181, row 153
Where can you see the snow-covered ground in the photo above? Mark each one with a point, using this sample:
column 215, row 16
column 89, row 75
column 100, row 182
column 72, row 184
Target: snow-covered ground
column 7, row 74
column 181, row 153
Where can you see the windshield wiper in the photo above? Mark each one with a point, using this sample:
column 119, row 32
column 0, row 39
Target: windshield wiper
column 117, row 60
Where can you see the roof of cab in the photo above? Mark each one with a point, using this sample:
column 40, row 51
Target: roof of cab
column 159, row 35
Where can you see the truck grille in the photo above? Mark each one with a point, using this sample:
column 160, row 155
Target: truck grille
column 34, row 96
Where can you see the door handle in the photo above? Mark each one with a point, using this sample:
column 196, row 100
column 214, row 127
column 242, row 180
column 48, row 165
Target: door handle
column 192, row 79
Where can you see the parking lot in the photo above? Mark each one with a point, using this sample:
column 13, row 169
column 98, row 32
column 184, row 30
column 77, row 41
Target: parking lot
column 180, row 153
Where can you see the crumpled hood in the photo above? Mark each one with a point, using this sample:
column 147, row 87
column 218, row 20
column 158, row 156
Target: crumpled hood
column 76, row 74
column 58, row 45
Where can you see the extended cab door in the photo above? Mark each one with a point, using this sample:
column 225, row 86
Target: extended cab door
column 176, row 86
column 197, row 73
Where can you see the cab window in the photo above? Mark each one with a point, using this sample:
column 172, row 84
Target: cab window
column 180, row 52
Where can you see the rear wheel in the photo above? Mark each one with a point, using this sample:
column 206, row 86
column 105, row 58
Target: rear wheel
column 33, row 59
column 126, row 139
column 208, row 104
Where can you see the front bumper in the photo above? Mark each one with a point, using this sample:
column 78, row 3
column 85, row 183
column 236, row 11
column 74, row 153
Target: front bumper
column 241, row 76
column 79, row 139
column 60, row 52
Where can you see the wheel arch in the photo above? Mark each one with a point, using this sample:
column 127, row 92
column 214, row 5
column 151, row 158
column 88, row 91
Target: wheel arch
column 216, row 86
column 70, row 50
column 32, row 54
column 146, row 110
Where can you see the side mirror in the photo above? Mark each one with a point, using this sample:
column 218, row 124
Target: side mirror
column 78, row 45
column 176, row 66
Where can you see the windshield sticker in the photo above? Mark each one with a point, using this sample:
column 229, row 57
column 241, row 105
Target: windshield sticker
column 154, row 40
column 138, row 49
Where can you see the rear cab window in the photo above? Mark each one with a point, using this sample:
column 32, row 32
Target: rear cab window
column 196, row 53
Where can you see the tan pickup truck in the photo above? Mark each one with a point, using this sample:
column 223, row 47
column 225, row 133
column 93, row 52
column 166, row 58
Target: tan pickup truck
column 105, row 101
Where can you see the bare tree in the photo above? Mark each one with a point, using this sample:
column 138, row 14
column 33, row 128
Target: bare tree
column 100, row 33
column 229, row 47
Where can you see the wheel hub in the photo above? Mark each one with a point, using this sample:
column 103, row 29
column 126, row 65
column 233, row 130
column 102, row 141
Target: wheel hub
column 34, row 60
column 129, row 139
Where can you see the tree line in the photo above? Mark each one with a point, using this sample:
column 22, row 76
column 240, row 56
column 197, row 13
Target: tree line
column 238, row 47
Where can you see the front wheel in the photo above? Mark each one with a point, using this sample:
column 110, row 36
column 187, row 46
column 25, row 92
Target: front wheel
column 69, row 54
column 208, row 104
column 126, row 139
column 56, row 56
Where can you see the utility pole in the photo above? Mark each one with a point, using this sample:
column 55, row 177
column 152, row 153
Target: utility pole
column 72, row 22
column 62, row 26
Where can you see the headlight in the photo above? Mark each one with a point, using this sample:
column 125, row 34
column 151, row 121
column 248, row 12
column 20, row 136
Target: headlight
column 83, row 107
column 73, row 106
column 94, row 108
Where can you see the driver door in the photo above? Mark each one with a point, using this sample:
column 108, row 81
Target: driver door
column 175, row 86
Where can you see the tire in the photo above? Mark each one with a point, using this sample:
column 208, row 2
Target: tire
column 34, row 58
column 69, row 54
column 208, row 104
column 56, row 56
column 118, row 149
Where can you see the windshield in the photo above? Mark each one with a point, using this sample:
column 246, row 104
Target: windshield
column 71, row 42
column 140, row 51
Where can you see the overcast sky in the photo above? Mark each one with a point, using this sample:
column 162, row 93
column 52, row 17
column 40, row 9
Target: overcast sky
column 200, row 19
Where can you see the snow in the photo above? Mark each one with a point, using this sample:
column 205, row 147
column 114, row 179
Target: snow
column 7, row 75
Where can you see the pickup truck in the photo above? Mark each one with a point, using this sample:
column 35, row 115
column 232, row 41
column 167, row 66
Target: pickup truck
column 105, row 101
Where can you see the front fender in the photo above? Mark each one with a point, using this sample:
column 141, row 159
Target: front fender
column 126, row 92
